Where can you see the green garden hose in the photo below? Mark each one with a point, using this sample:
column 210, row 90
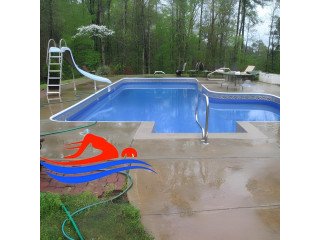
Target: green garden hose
column 72, row 221
column 70, row 216
column 67, row 130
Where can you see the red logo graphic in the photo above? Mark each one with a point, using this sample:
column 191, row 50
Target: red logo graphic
column 66, row 171
column 108, row 151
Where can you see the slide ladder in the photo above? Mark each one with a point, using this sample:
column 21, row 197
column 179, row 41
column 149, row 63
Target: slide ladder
column 55, row 55
column 54, row 62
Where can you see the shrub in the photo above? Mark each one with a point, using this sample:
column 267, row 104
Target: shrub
column 103, row 70
column 117, row 69
column 84, row 54
column 128, row 71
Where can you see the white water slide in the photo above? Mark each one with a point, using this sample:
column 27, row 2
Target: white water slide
column 54, row 61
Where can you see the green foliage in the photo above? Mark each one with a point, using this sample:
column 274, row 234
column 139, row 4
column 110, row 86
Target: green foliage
column 155, row 35
column 50, row 203
column 117, row 69
column 103, row 70
column 88, row 58
column 130, row 213
column 59, row 19
column 67, row 71
column 110, row 190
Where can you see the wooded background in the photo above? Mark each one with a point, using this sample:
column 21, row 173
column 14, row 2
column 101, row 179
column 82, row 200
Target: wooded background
column 154, row 35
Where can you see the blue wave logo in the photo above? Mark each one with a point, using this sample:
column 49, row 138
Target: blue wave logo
column 92, row 168
column 93, row 172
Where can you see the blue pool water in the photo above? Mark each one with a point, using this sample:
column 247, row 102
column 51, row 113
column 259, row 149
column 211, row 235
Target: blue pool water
column 172, row 107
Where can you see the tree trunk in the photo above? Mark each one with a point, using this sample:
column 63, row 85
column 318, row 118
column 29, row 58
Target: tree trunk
column 238, row 27
column 125, row 16
column 270, row 36
column 108, row 24
column 200, row 26
column 247, row 38
column 221, row 58
column 190, row 27
column 149, row 37
column 211, row 35
column 244, row 5
column 143, row 67
column 98, row 22
column 50, row 20
column 238, row 18
column 172, row 37
column 124, row 33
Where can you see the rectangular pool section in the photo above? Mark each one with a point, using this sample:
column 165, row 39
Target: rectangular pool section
column 171, row 104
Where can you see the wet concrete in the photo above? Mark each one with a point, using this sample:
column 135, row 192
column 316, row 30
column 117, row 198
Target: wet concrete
column 240, row 224
column 271, row 130
column 254, row 87
column 173, row 148
column 229, row 189
column 187, row 185
column 119, row 134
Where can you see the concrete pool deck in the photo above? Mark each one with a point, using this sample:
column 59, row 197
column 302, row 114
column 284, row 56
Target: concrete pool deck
column 229, row 189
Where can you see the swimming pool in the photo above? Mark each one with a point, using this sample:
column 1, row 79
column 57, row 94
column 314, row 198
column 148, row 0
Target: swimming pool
column 171, row 104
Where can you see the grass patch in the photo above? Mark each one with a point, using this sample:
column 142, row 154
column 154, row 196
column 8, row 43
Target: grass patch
column 117, row 220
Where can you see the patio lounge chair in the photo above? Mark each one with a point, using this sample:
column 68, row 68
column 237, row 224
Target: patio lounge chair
column 217, row 72
column 250, row 73
column 181, row 70
column 249, row 69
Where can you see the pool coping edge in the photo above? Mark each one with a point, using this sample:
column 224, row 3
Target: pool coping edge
column 247, row 131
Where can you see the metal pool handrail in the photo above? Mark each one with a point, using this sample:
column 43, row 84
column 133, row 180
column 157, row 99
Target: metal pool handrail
column 205, row 129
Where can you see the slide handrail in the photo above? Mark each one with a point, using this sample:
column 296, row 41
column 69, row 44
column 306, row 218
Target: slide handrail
column 61, row 42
